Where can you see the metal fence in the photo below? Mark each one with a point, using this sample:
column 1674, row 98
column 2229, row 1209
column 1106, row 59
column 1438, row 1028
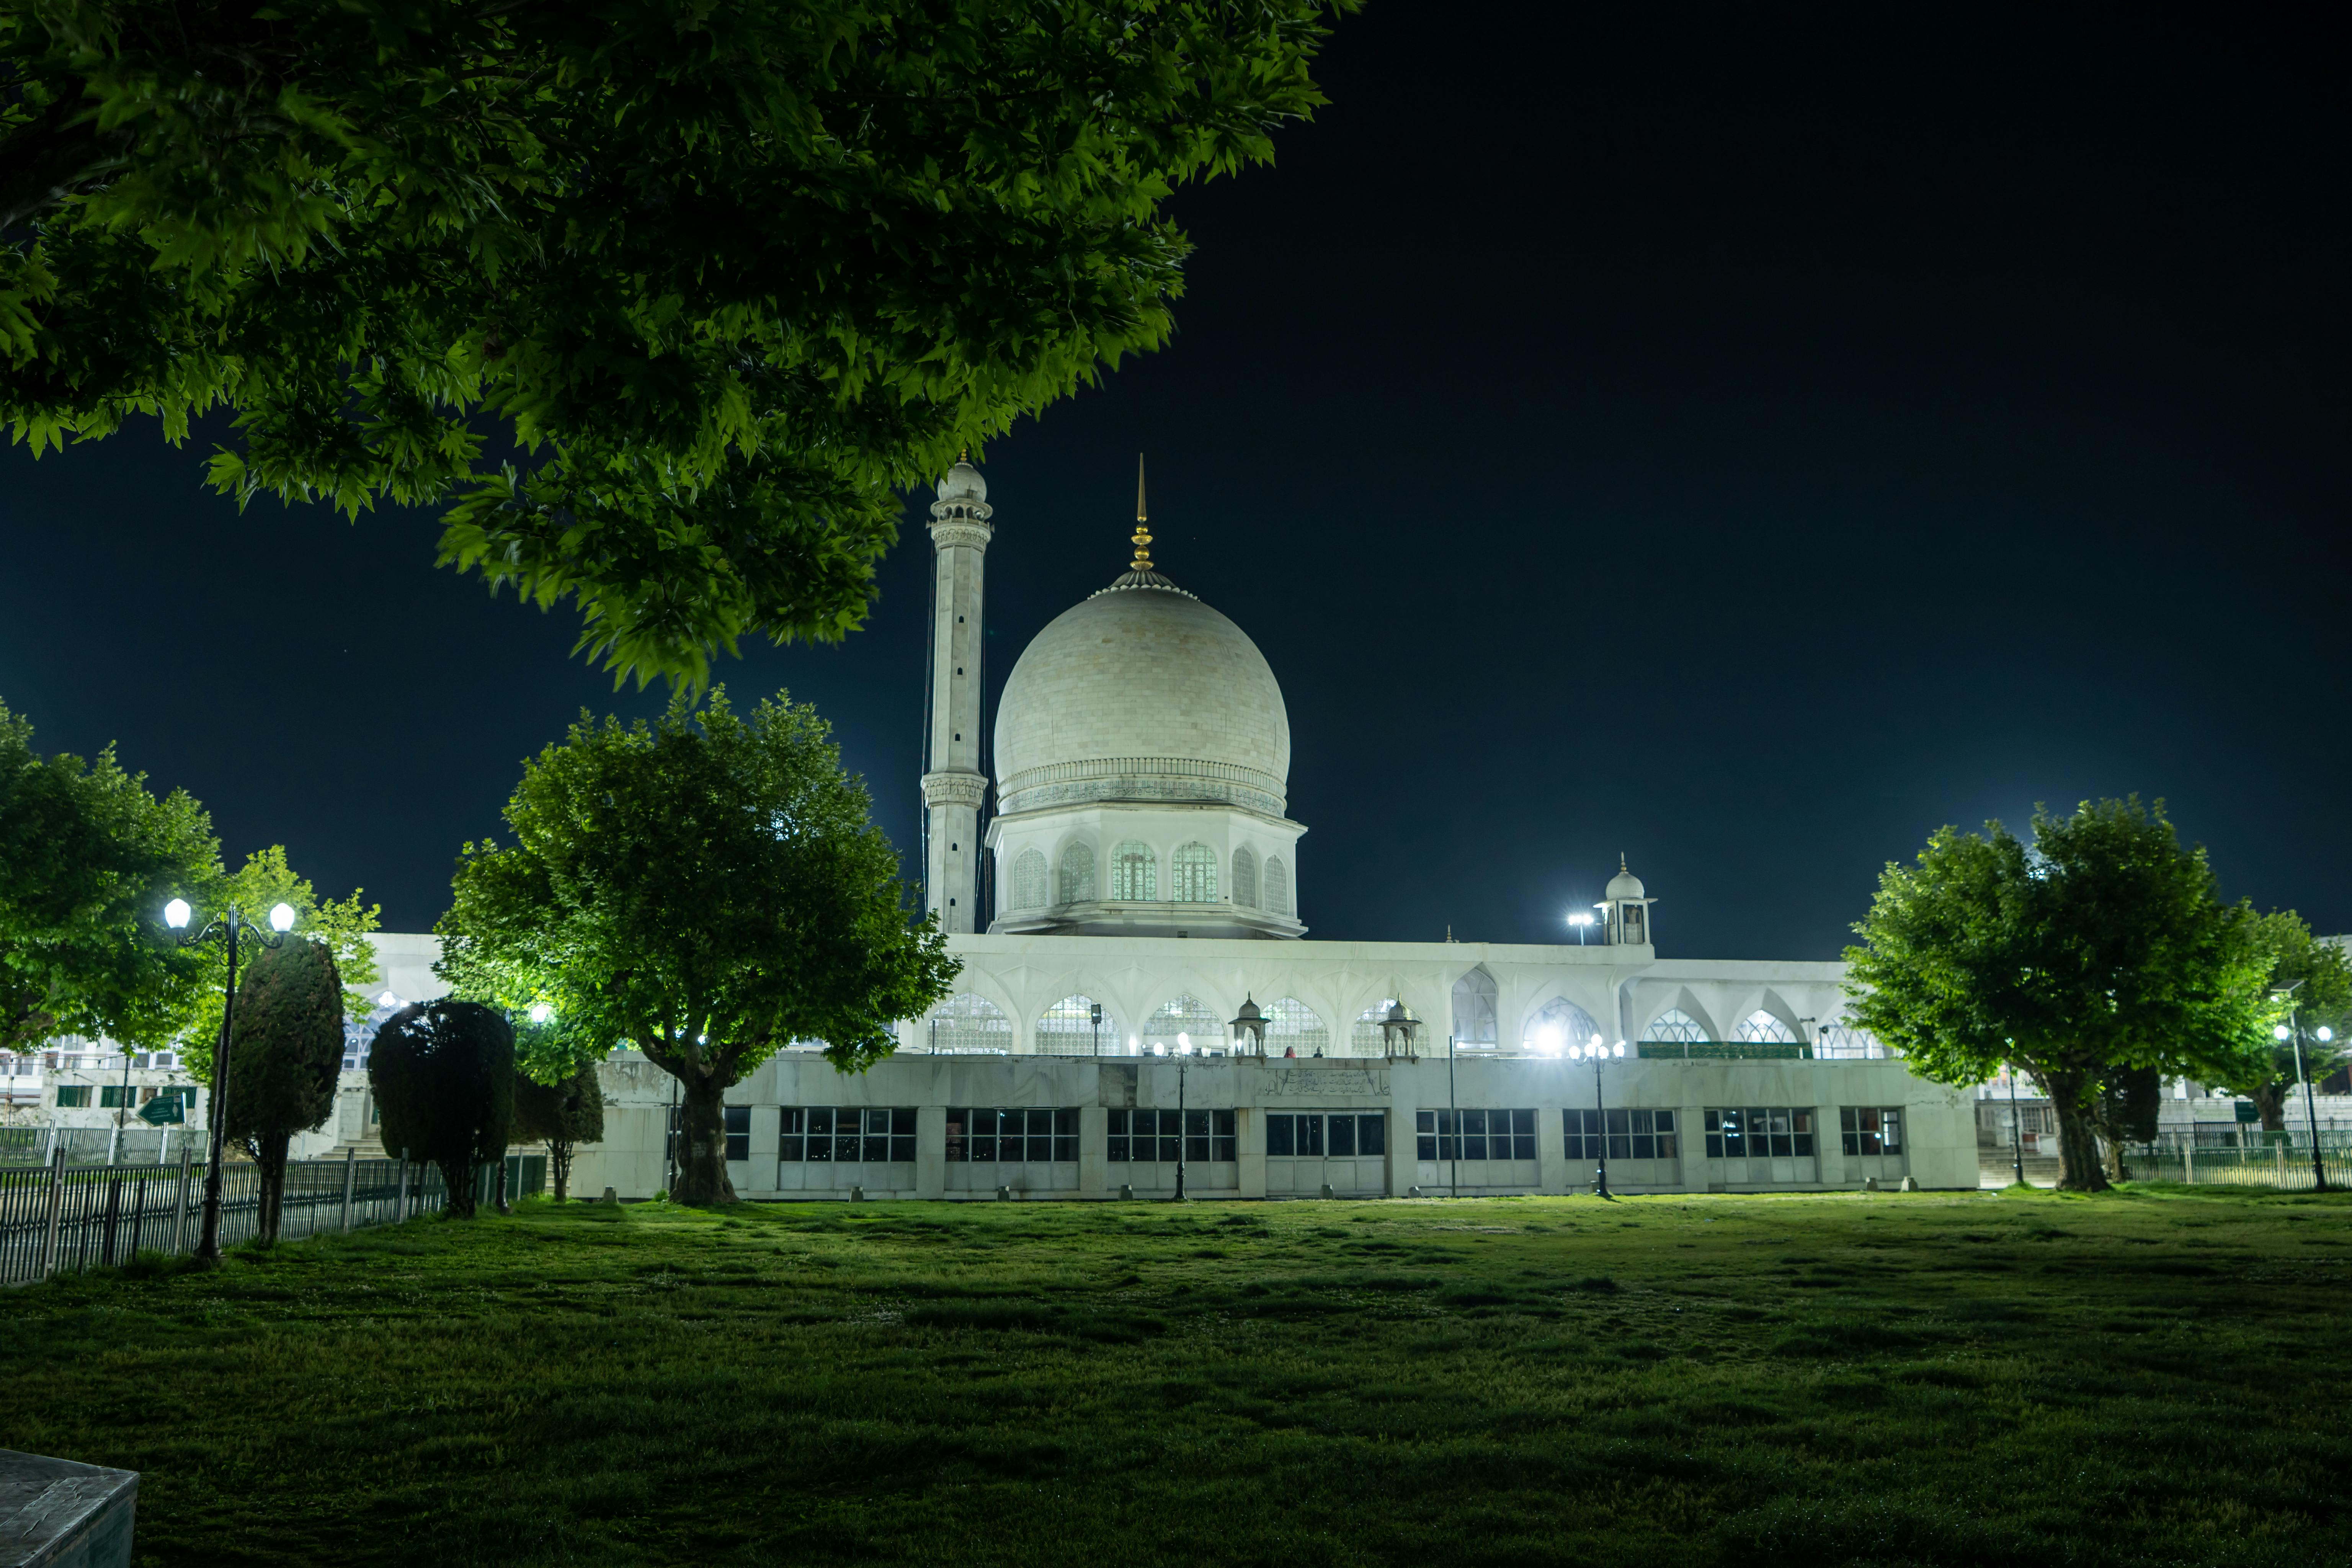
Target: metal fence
column 2279, row 1166
column 61, row 1218
column 137, row 1144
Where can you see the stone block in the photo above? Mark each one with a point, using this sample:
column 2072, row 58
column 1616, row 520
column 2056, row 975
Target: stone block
column 54, row 1513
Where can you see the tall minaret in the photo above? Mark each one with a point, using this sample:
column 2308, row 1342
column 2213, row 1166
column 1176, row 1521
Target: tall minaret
column 954, row 788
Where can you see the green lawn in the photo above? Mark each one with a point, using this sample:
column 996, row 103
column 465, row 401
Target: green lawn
column 2154, row 1378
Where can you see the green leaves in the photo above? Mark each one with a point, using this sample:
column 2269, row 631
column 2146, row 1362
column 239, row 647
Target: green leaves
column 707, row 888
column 2101, row 950
column 728, row 278
column 89, row 858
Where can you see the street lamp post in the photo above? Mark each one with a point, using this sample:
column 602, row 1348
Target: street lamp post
column 1183, row 1131
column 1600, row 1054
column 224, row 929
column 2310, row 1106
column 1096, row 1014
column 2016, row 1134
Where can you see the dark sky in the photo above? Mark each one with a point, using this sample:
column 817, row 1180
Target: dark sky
column 1744, row 437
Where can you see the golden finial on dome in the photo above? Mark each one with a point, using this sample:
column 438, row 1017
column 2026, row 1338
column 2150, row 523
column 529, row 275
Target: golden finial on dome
column 1142, row 540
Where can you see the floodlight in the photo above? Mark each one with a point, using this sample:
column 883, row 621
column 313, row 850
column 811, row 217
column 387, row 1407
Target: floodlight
column 176, row 913
column 1581, row 918
column 1549, row 1037
column 281, row 918
column 540, row 1012
column 1618, row 1049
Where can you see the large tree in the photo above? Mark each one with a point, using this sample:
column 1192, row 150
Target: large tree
column 89, row 858
column 724, row 275
column 2313, row 979
column 285, row 1051
column 707, row 888
column 442, row 1076
column 2098, row 949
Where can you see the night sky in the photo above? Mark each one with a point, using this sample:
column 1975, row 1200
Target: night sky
column 1745, row 438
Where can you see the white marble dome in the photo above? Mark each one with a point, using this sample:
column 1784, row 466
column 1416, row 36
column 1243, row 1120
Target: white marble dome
column 1142, row 693
column 1623, row 885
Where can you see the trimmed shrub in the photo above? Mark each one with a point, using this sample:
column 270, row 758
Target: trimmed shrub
column 444, row 1078
column 285, row 1049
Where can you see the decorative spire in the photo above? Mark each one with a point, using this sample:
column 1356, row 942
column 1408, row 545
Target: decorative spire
column 1620, row 863
column 1142, row 540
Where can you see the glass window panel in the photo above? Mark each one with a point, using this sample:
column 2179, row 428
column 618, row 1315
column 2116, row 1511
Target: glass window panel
column 1278, row 1136
column 820, row 1121
column 1065, row 1123
column 1310, row 1136
column 1893, row 1120
column 1620, row 1146
column 1371, row 1134
column 791, row 1118
column 1664, row 1119
column 1115, row 1150
column 1341, row 1137
column 845, row 1146
column 1473, row 1009
column 1425, row 1146
column 901, row 1149
column 1523, row 1148
column 1065, row 1147
column 1146, row 1124
column 1119, row 1123
column 1473, row 1121
column 983, row 1147
column 1221, row 1123
column 1193, row 875
column 1523, row 1121
column 1221, row 1148
column 1676, row 1025
column 902, row 1121
column 788, row 1148
column 1425, row 1121
column 1644, row 1146
column 877, row 1121
column 1077, row 874
column 1621, row 1121
column 878, row 1148
column 1168, row 1142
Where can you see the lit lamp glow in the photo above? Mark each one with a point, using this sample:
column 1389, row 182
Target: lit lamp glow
column 281, row 916
column 540, row 1012
column 176, row 914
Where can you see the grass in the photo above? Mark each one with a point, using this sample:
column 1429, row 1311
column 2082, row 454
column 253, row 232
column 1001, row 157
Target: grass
column 2151, row 1378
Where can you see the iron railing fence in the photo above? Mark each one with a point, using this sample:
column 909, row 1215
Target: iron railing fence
column 137, row 1144
column 2286, row 1169
column 63, row 1217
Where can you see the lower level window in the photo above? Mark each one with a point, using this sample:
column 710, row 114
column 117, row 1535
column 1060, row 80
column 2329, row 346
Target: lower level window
column 1148, row 1137
column 1631, row 1133
column 844, row 1133
column 739, row 1131
column 112, row 1096
column 1474, row 1134
column 1871, row 1130
column 71, row 1098
column 1321, row 1134
column 979, row 1135
column 1761, row 1133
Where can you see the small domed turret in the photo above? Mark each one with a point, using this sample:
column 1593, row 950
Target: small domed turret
column 963, row 484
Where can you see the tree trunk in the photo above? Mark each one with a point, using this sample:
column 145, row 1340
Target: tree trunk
column 2079, row 1168
column 2270, row 1099
column 270, row 1153
column 457, row 1175
column 702, row 1139
column 559, row 1156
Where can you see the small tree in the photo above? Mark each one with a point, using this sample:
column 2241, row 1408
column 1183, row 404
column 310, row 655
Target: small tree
column 443, row 1073
column 2315, row 981
column 287, row 1049
column 563, row 1115
column 2098, row 951
column 708, row 887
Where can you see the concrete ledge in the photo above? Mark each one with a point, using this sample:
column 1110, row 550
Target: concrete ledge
column 54, row 1513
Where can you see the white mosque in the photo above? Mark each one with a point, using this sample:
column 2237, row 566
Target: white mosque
column 1140, row 1003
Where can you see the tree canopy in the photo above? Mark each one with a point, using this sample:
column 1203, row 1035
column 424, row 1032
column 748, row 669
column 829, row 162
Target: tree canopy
column 720, row 276
column 707, row 888
column 443, row 1073
column 91, row 855
column 2314, row 983
column 2098, row 949
column 285, row 1051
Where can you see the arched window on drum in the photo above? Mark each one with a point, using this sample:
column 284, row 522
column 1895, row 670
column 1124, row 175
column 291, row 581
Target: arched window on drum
column 1244, row 877
column 1761, row 1028
column 1277, row 886
column 1078, row 874
column 1193, row 875
column 1134, row 873
column 1029, row 880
